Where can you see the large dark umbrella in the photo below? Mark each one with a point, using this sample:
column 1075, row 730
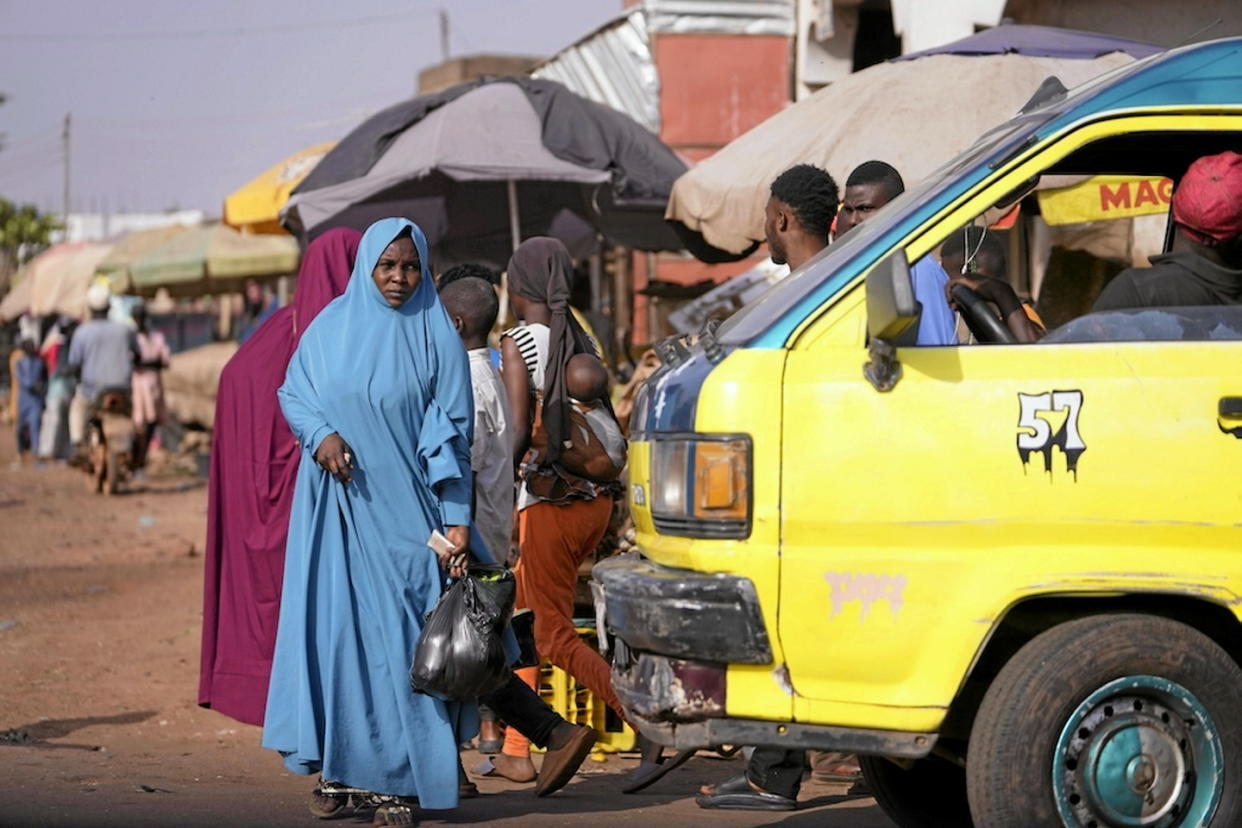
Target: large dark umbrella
column 485, row 164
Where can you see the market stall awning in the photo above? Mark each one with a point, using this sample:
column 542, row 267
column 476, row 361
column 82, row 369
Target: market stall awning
column 55, row 281
column 17, row 300
column 255, row 208
column 212, row 259
column 128, row 249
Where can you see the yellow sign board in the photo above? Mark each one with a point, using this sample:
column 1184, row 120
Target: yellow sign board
column 1104, row 197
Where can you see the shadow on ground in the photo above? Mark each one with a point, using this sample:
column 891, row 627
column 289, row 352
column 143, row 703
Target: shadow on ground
column 37, row 733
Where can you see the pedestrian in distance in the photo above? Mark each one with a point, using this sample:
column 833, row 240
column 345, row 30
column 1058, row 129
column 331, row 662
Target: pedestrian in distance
column 30, row 377
column 102, row 353
column 378, row 395
column 54, row 429
column 248, row 512
column 148, row 386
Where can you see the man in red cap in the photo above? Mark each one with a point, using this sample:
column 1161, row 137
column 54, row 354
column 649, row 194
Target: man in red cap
column 1204, row 267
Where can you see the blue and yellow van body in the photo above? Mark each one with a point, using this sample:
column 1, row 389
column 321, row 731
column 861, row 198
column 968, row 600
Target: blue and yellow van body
column 824, row 564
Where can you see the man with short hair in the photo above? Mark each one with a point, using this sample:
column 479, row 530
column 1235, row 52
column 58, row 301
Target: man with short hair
column 799, row 213
column 798, row 217
column 103, row 353
column 870, row 186
column 1204, row 265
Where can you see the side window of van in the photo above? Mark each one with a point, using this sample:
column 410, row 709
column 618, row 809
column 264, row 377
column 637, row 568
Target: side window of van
column 1039, row 263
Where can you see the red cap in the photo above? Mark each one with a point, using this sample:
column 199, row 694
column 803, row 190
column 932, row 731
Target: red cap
column 1208, row 200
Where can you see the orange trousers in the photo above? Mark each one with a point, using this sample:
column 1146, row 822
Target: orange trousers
column 555, row 540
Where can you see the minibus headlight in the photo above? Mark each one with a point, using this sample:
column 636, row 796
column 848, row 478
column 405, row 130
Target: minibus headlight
column 700, row 486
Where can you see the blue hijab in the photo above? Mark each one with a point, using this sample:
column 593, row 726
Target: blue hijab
column 359, row 577
column 414, row 346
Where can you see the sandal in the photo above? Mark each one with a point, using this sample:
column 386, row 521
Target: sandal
column 651, row 771
column 394, row 813
column 739, row 795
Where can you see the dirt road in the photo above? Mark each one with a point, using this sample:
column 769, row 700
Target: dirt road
column 100, row 607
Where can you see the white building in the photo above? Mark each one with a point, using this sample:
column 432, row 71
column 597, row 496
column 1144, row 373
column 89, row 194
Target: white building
column 103, row 226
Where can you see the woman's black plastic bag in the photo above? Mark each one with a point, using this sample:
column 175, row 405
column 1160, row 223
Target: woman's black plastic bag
column 460, row 654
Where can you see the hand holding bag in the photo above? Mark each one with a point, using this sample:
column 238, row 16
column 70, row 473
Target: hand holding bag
column 460, row 654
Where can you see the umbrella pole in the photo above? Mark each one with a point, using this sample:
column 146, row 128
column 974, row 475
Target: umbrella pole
column 515, row 223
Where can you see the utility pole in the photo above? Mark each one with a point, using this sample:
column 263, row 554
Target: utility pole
column 65, row 139
column 444, row 35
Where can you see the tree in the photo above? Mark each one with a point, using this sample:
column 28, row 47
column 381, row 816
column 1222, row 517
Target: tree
column 24, row 232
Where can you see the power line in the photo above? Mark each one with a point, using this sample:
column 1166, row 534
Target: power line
column 237, row 31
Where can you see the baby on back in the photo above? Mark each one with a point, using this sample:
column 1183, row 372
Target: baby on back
column 586, row 380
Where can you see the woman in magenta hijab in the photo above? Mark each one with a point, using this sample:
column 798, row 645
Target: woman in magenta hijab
column 254, row 463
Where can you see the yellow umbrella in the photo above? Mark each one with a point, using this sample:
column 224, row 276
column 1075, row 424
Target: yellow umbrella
column 255, row 208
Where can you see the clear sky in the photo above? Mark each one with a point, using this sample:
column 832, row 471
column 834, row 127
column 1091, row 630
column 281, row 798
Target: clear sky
column 176, row 103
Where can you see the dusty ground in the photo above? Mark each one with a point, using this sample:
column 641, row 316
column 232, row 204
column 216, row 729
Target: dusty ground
column 100, row 606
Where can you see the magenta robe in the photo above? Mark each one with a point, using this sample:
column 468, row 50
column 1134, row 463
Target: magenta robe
column 254, row 463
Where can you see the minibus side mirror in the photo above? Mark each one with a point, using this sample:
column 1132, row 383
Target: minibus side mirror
column 892, row 318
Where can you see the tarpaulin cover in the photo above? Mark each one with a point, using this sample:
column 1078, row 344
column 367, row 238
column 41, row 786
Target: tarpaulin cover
column 915, row 115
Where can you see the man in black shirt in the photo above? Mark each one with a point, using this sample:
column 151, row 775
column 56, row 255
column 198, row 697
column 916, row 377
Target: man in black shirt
column 1204, row 266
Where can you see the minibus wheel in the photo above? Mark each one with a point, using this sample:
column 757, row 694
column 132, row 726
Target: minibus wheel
column 1110, row 721
column 930, row 793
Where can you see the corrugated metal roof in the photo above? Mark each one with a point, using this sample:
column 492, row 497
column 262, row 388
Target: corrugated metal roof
column 614, row 65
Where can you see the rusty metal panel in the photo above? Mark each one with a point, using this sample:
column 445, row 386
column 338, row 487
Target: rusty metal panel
column 714, row 87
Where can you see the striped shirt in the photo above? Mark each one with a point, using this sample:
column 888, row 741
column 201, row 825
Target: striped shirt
column 532, row 343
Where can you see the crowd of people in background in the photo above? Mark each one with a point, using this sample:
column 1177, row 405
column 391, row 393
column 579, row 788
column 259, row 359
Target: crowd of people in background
column 57, row 378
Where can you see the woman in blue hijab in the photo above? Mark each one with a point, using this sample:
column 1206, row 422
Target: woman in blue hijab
column 378, row 395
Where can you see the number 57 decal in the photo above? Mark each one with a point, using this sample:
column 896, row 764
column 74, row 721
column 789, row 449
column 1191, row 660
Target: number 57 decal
column 1037, row 415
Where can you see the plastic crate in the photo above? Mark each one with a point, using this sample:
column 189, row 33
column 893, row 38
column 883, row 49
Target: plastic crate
column 577, row 704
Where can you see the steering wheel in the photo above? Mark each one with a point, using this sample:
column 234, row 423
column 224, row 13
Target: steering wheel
column 980, row 319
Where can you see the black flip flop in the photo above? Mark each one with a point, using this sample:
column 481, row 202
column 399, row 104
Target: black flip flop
column 736, row 794
column 649, row 773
